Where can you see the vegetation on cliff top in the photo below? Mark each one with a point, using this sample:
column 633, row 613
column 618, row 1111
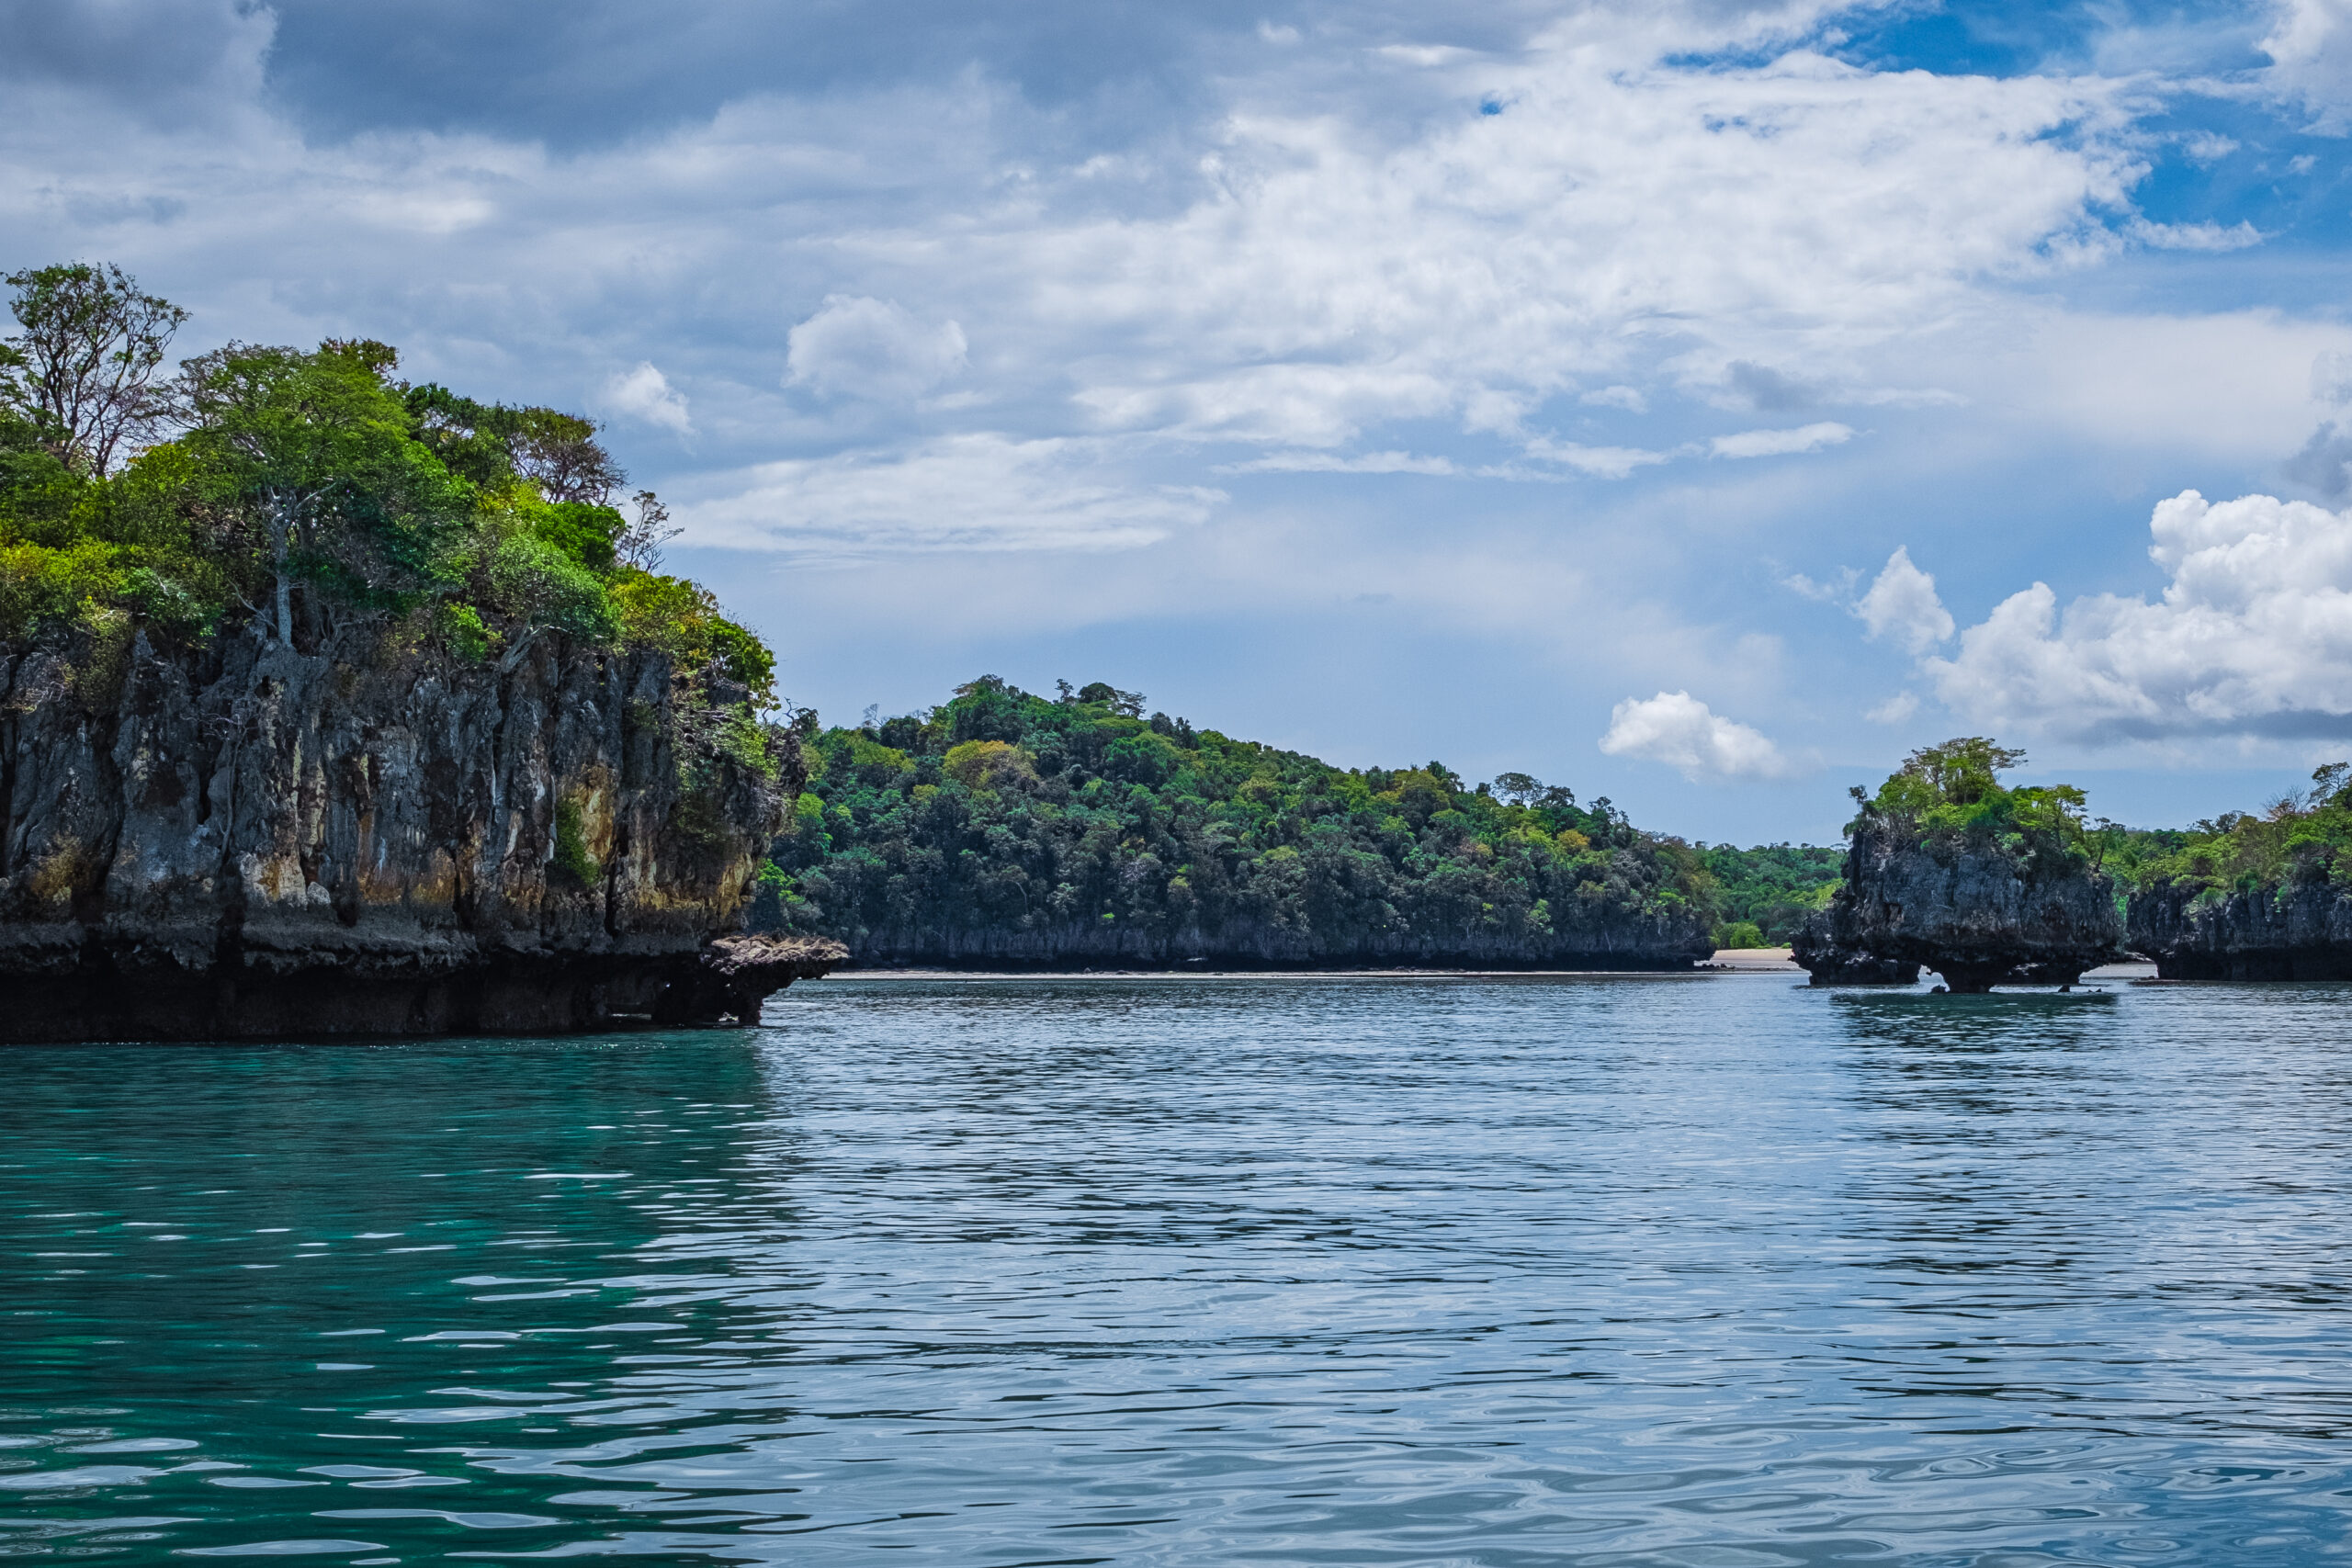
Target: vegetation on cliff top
column 2301, row 838
column 1950, row 795
column 299, row 491
column 1005, row 811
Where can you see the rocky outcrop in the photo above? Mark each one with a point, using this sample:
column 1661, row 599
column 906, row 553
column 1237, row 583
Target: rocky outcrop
column 1668, row 941
column 737, row 972
column 246, row 840
column 1815, row 950
column 1977, row 911
column 2300, row 932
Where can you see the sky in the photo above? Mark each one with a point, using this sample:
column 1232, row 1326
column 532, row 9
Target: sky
column 1700, row 404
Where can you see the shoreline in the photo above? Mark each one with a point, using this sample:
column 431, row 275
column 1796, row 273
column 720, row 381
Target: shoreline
column 1726, row 961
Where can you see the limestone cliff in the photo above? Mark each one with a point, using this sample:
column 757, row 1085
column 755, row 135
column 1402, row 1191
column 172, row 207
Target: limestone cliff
column 2300, row 932
column 1976, row 908
column 1669, row 940
column 1817, row 952
column 249, row 838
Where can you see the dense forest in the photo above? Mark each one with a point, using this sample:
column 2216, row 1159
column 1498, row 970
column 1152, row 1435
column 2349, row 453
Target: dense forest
column 298, row 493
column 2298, row 839
column 1764, row 894
column 1005, row 827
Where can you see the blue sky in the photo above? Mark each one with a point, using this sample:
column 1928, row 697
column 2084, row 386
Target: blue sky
column 1699, row 404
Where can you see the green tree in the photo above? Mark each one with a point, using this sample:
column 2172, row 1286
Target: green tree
column 1070, row 822
column 84, row 367
column 308, row 443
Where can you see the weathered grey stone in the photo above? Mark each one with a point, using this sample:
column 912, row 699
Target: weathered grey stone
column 1815, row 950
column 2299, row 931
column 246, row 840
column 1978, row 912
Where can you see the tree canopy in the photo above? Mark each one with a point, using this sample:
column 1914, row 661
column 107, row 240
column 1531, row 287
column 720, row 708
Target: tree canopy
column 2303, row 836
column 298, row 491
column 81, row 369
column 1001, row 811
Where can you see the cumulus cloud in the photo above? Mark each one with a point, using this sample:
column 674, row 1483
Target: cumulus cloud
column 2309, row 45
column 1680, row 730
column 2252, row 638
column 1296, row 266
column 960, row 493
column 1902, row 606
column 1330, row 279
column 644, row 394
column 872, row 348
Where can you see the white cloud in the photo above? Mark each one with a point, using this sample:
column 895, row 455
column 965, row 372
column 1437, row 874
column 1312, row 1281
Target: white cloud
column 644, row 394
column 1901, row 605
column 873, row 349
column 2309, row 45
column 1331, row 277
column 1601, row 462
column 1630, row 399
column 2222, row 385
column 959, row 493
column 1333, row 463
column 1835, row 592
column 1677, row 728
column 1896, row 709
column 1778, row 443
column 1292, row 271
column 2252, row 639
column 2194, row 236
column 2332, row 377
column 2206, row 147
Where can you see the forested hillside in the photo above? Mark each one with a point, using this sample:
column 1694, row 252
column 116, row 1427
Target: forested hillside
column 1008, row 828
column 1767, row 892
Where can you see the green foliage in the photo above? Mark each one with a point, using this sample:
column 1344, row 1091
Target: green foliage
column 572, row 856
column 1004, row 811
column 464, row 633
column 311, row 490
column 1740, row 933
column 1773, row 887
column 81, row 371
column 583, row 531
column 682, row 619
column 1953, row 791
column 2300, row 838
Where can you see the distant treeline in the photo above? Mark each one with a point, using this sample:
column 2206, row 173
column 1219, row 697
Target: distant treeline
column 1764, row 894
column 1008, row 828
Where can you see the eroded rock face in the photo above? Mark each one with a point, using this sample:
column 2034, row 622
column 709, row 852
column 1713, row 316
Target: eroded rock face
column 2302, row 931
column 1976, row 914
column 1668, row 941
column 252, row 840
column 1816, row 949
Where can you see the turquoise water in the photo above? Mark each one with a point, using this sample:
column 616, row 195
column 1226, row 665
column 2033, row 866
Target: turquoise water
column 1712, row 1271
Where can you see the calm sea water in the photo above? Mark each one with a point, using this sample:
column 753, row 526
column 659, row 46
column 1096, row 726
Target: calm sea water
column 1711, row 1272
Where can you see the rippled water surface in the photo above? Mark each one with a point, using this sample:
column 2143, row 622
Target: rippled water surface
column 1712, row 1271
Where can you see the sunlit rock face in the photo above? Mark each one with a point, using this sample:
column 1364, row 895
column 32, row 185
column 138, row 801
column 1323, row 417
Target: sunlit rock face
column 249, row 838
column 2299, row 932
column 1976, row 909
